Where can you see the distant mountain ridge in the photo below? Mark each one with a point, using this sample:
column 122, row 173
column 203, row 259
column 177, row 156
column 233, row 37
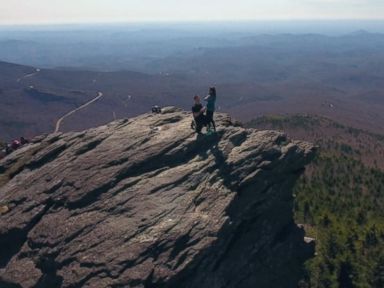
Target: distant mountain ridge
column 340, row 77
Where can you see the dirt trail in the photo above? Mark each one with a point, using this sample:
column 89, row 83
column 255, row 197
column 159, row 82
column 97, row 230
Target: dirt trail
column 58, row 123
column 29, row 75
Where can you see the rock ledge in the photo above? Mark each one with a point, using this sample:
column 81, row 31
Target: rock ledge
column 143, row 202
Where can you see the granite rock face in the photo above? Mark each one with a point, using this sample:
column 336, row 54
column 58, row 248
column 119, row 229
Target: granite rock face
column 144, row 202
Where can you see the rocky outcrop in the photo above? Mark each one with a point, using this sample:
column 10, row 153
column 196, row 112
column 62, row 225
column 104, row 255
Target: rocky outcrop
column 144, row 202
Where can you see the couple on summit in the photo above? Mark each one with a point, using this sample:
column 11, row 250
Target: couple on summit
column 198, row 111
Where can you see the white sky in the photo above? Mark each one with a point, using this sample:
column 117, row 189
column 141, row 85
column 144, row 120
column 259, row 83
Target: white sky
column 83, row 11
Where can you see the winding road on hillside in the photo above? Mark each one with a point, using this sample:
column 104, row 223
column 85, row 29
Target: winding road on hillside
column 58, row 123
column 37, row 70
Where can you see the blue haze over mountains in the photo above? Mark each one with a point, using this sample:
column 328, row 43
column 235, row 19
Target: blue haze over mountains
column 113, row 47
column 329, row 68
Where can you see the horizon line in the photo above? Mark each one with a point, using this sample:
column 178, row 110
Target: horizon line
column 232, row 21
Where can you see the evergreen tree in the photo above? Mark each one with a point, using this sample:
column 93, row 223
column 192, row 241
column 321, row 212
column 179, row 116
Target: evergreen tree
column 378, row 274
column 346, row 274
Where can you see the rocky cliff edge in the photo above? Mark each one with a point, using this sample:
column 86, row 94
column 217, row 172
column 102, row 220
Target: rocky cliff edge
column 143, row 202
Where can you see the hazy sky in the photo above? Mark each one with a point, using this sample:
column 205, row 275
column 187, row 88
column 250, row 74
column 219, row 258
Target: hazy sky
column 74, row 11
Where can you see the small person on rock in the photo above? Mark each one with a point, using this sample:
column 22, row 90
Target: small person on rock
column 15, row 144
column 211, row 100
column 23, row 141
column 198, row 114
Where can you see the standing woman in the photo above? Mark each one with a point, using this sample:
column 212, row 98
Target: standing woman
column 211, row 100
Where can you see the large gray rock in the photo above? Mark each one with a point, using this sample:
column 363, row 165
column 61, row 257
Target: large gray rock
column 144, row 202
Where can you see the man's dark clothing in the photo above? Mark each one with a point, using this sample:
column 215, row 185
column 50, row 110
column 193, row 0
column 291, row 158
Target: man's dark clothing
column 199, row 120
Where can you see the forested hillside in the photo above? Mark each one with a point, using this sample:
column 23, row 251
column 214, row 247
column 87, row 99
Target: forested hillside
column 340, row 201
